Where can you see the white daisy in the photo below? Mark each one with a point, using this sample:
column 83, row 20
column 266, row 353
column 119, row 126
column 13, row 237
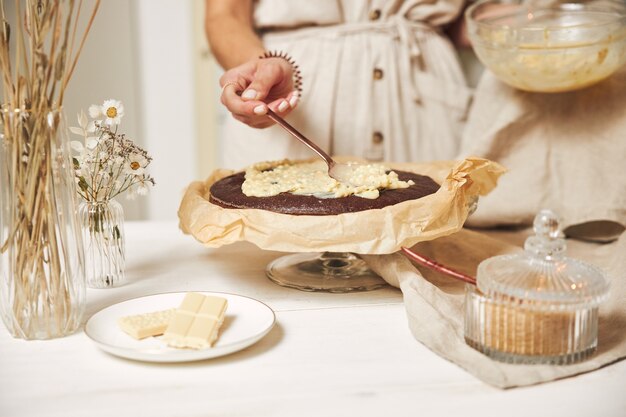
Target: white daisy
column 135, row 164
column 113, row 111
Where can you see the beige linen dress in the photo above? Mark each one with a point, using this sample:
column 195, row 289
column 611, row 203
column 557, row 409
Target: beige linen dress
column 564, row 151
column 380, row 81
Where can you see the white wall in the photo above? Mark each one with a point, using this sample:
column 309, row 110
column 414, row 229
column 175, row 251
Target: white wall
column 107, row 69
column 152, row 55
column 166, row 85
column 209, row 112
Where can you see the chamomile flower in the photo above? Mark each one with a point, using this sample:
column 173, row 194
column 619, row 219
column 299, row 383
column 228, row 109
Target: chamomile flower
column 106, row 163
column 113, row 111
column 136, row 164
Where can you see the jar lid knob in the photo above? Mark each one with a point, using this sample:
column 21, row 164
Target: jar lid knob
column 548, row 241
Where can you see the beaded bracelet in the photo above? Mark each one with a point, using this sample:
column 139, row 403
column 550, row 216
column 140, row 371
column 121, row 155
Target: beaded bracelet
column 297, row 76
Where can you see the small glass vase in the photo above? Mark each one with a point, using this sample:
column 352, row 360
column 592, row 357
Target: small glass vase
column 42, row 276
column 103, row 236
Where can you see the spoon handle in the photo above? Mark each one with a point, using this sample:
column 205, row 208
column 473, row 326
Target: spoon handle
column 283, row 123
column 422, row 260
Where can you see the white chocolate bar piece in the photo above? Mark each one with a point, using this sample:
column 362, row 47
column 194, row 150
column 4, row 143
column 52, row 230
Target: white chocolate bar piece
column 141, row 326
column 213, row 307
column 196, row 322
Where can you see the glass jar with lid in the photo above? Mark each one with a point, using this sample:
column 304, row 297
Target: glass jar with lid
column 538, row 306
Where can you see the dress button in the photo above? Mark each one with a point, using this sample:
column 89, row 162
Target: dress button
column 378, row 74
column 374, row 14
column 377, row 138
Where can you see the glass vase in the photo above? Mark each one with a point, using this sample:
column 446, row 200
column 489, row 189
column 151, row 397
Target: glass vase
column 103, row 235
column 42, row 278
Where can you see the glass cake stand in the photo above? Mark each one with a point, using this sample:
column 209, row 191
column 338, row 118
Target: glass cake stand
column 336, row 272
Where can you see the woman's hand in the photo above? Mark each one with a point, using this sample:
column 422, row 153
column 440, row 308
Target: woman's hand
column 249, row 89
column 249, row 86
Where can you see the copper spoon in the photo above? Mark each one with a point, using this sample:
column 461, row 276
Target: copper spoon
column 339, row 171
column 424, row 261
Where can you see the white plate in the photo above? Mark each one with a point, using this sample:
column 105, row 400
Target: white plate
column 246, row 322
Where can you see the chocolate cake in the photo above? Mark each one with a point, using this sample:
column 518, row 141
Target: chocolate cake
column 227, row 193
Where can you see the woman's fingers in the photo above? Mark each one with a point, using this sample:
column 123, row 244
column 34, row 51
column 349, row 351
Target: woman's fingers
column 279, row 106
column 236, row 105
column 258, row 122
column 252, row 113
column 284, row 105
column 293, row 98
column 249, row 94
column 269, row 73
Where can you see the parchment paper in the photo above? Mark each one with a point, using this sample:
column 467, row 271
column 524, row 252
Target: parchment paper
column 379, row 231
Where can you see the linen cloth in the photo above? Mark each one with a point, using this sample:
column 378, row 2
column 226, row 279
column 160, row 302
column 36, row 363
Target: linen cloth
column 564, row 151
column 435, row 309
column 412, row 111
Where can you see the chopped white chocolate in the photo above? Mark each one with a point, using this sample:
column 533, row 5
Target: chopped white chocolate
column 266, row 179
column 141, row 326
column 196, row 322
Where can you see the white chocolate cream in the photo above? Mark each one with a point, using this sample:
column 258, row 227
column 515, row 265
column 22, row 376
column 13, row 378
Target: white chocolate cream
column 266, row 179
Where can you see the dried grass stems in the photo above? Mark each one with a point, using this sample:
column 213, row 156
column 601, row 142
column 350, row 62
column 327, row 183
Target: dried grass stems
column 36, row 68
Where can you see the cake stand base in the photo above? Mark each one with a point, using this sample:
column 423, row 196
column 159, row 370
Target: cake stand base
column 336, row 272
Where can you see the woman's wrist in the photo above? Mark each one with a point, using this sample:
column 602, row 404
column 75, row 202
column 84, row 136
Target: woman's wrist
column 286, row 58
column 248, row 54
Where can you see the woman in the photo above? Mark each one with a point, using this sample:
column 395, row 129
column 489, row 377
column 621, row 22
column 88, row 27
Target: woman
column 381, row 81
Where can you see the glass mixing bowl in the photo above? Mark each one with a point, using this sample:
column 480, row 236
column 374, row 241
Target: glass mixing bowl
column 549, row 45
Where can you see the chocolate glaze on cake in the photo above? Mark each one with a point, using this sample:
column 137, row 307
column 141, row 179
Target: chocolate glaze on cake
column 227, row 193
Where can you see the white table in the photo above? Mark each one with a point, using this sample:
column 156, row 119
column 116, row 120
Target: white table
column 329, row 355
